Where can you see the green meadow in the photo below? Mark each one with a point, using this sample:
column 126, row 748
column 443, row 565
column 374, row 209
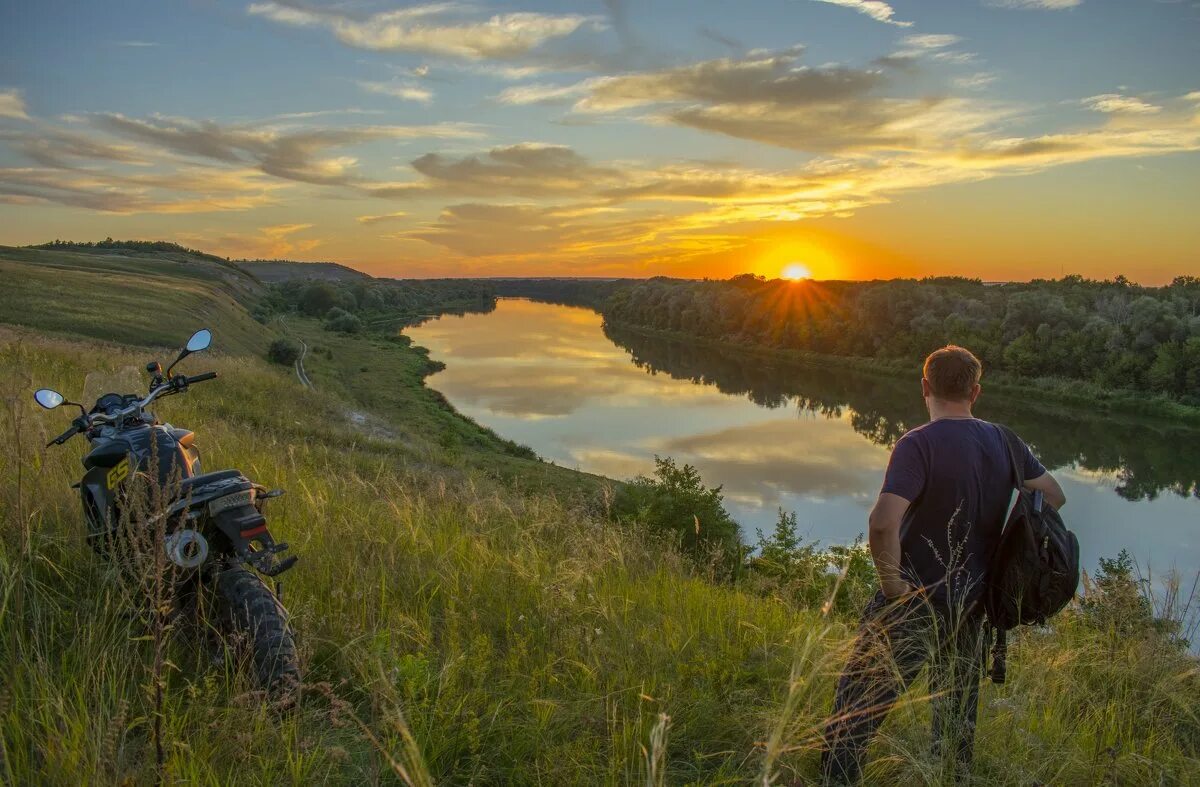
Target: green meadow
column 466, row 614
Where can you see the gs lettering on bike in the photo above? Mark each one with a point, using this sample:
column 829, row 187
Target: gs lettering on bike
column 118, row 474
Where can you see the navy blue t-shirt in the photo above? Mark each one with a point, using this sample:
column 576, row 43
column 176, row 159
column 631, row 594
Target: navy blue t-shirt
column 957, row 475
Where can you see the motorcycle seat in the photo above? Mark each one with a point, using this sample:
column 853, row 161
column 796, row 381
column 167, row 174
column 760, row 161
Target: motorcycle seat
column 196, row 481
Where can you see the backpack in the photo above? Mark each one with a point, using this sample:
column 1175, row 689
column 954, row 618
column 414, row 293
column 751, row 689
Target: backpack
column 1034, row 570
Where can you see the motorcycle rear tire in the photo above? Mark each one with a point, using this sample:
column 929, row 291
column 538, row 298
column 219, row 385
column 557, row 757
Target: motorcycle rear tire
column 254, row 616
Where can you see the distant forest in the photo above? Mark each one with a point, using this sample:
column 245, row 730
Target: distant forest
column 388, row 304
column 1113, row 334
column 144, row 246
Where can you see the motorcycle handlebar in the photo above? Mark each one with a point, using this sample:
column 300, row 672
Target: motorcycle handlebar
column 202, row 377
column 65, row 436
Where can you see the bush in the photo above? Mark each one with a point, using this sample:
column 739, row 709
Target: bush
column 284, row 351
column 342, row 321
column 807, row 576
column 676, row 501
column 318, row 298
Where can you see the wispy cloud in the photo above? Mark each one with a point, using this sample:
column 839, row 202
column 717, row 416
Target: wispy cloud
column 877, row 10
column 445, row 29
column 925, row 41
column 117, row 164
column 292, row 155
column 272, row 241
column 403, row 90
column 1115, row 103
column 522, row 95
column 1042, row 5
column 136, row 44
column 379, row 219
column 12, row 104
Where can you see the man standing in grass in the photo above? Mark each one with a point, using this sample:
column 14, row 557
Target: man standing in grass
column 938, row 518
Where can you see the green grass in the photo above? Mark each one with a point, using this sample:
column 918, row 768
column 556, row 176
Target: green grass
column 129, row 299
column 473, row 628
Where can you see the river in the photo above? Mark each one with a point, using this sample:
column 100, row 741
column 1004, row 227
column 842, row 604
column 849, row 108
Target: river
column 808, row 439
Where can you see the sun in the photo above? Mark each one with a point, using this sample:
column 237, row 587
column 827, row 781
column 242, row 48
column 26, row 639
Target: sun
column 796, row 271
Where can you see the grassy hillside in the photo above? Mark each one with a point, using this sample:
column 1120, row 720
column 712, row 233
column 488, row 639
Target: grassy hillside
column 129, row 297
column 459, row 624
column 282, row 270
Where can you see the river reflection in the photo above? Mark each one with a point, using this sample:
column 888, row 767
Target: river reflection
column 810, row 439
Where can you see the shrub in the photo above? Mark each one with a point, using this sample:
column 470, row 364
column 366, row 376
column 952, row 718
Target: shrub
column 318, row 298
column 676, row 501
column 284, row 351
column 342, row 321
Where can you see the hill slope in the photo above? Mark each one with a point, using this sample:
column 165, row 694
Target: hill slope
column 129, row 297
column 282, row 270
column 457, row 625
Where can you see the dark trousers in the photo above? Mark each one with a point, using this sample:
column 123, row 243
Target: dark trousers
column 895, row 640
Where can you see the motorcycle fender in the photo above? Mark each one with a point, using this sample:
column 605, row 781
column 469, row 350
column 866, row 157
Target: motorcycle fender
column 247, row 532
column 99, row 502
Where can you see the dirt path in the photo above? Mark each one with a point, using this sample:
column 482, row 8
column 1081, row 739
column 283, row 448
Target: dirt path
column 300, row 367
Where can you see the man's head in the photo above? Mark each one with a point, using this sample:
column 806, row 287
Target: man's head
column 952, row 374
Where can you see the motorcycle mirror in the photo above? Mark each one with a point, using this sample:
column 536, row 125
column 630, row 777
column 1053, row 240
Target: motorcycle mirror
column 48, row 398
column 199, row 341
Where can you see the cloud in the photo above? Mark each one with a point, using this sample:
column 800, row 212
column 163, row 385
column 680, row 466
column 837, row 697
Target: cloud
column 271, row 242
column 1043, row 5
column 66, row 149
column 136, row 44
column 975, row 81
column 406, row 91
column 522, row 95
column 182, row 192
column 765, row 78
column 528, row 168
column 287, row 154
column 1115, row 103
column 12, row 104
column 434, row 29
column 381, row 218
column 723, row 39
column 772, row 98
column 930, row 40
column 117, row 164
column 879, row 11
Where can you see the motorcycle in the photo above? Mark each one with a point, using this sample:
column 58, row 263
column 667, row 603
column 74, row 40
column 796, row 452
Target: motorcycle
column 143, row 488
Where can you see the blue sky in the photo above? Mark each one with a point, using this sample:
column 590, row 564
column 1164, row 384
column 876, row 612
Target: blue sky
column 1001, row 138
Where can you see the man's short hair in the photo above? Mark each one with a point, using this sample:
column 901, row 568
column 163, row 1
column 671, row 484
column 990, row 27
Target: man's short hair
column 952, row 373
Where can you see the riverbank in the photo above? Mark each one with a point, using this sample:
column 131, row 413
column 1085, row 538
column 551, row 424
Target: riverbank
column 1045, row 394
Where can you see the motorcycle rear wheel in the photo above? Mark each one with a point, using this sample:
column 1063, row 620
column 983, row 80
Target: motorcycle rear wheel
column 254, row 618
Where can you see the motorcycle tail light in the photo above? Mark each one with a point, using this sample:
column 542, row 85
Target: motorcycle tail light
column 243, row 498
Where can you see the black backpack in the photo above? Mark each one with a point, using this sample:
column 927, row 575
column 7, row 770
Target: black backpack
column 1034, row 571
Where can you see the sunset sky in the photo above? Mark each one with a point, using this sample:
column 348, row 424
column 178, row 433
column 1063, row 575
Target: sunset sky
column 1005, row 139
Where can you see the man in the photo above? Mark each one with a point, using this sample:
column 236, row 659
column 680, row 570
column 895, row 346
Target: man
column 945, row 498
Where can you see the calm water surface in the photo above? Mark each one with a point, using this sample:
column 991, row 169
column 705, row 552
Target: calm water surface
column 812, row 440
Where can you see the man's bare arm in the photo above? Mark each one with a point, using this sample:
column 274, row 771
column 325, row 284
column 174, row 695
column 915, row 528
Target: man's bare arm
column 1051, row 491
column 883, row 535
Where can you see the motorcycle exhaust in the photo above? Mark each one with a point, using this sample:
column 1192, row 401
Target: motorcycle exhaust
column 186, row 548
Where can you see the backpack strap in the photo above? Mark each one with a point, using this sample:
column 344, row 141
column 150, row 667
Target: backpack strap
column 1011, row 441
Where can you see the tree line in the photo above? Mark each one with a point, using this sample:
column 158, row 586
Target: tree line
column 1113, row 334
column 389, row 304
